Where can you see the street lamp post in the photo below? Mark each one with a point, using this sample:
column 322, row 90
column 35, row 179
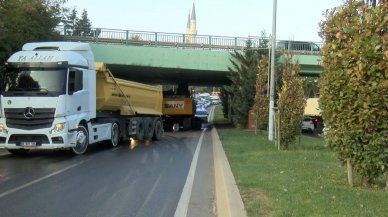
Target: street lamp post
column 272, row 79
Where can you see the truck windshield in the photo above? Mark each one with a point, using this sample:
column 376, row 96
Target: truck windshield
column 33, row 82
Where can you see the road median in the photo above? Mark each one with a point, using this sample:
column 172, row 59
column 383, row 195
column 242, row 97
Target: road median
column 228, row 199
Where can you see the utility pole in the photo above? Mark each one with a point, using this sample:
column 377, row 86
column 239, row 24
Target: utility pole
column 272, row 79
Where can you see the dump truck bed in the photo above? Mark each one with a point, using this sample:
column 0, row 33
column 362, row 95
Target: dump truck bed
column 128, row 97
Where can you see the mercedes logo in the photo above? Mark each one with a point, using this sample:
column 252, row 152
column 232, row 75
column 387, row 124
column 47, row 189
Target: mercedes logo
column 29, row 113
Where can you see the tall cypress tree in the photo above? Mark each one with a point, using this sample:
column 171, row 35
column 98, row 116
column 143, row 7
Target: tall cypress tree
column 243, row 78
column 83, row 24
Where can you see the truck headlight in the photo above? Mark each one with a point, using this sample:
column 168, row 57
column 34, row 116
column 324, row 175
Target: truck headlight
column 58, row 127
column 2, row 129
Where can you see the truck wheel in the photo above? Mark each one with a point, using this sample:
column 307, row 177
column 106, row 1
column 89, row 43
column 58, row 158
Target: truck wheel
column 18, row 151
column 82, row 140
column 139, row 130
column 148, row 128
column 115, row 135
column 175, row 127
column 158, row 132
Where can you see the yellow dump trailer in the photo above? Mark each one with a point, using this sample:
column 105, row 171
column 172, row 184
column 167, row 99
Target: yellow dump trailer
column 178, row 106
column 135, row 107
column 128, row 97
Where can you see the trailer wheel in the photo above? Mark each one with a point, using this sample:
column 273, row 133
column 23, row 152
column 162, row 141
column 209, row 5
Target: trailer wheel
column 148, row 128
column 158, row 132
column 115, row 135
column 82, row 140
column 139, row 129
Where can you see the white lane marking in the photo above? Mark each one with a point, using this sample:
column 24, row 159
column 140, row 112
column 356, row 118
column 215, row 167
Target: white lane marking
column 40, row 179
column 211, row 114
column 183, row 204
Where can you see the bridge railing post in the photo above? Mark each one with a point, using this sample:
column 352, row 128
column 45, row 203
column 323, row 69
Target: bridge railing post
column 156, row 39
column 289, row 46
column 126, row 37
column 311, row 48
column 210, row 42
column 183, row 41
column 235, row 43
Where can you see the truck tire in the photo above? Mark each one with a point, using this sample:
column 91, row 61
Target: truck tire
column 148, row 128
column 158, row 131
column 18, row 151
column 115, row 135
column 139, row 129
column 82, row 140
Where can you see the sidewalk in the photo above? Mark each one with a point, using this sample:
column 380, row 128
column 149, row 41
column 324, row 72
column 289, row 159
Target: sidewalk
column 228, row 199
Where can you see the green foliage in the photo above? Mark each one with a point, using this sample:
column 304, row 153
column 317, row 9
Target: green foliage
column 354, row 85
column 23, row 21
column 71, row 21
column 84, row 25
column 224, row 96
column 135, row 37
column 310, row 87
column 306, row 181
column 261, row 98
column 243, row 78
column 78, row 26
column 291, row 103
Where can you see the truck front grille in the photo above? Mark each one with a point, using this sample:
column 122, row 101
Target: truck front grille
column 20, row 118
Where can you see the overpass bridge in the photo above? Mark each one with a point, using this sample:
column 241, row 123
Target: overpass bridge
column 170, row 58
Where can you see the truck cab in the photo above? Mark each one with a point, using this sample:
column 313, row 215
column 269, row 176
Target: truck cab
column 47, row 97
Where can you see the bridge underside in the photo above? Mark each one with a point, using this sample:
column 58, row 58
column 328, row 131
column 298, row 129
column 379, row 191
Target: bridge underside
column 159, row 75
column 159, row 65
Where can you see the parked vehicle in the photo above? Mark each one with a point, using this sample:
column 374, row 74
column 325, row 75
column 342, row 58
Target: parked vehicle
column 308, row 124
column 55, row 96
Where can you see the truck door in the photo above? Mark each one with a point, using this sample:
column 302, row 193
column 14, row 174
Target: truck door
column 77, row 95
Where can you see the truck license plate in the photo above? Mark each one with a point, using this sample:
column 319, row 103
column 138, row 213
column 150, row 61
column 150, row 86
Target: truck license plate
column 28, row 144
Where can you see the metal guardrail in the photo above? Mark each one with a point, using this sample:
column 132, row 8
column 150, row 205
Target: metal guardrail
column 162, row 39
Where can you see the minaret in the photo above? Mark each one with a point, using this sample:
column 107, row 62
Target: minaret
column 193, row 22
column 188, row 25
column 191, row 28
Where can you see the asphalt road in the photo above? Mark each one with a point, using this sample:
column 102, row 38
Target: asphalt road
column 146, row 181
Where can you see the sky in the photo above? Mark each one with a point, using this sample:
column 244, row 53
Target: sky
column 296, row 19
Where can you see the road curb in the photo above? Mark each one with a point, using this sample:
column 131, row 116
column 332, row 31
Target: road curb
column 228, row 199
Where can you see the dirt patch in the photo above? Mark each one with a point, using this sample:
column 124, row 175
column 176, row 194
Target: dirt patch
column 257, row 202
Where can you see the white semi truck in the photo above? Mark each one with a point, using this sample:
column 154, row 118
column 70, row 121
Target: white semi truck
column 54, row 96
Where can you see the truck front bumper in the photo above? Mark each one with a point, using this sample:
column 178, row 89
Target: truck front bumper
column 45, row 138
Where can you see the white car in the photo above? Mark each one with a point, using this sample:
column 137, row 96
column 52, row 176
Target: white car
column 308, row 124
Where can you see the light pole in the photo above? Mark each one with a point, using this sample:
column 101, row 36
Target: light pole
column 272, row 79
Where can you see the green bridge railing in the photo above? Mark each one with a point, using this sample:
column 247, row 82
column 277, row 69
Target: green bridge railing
column 162, row 39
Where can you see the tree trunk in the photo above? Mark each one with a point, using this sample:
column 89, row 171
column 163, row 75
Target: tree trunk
column 386, row 184
column 350, row 172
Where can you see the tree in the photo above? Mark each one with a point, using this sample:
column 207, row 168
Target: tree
column 224, row 96
column 71, row 22
column 243, row 78
column 261, row 97
column 83, row 25
column 290, row 103
column 22, row 21
column 310, row 87
column 354, row 86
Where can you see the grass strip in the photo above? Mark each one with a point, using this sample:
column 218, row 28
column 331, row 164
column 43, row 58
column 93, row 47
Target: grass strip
column 306, row 180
